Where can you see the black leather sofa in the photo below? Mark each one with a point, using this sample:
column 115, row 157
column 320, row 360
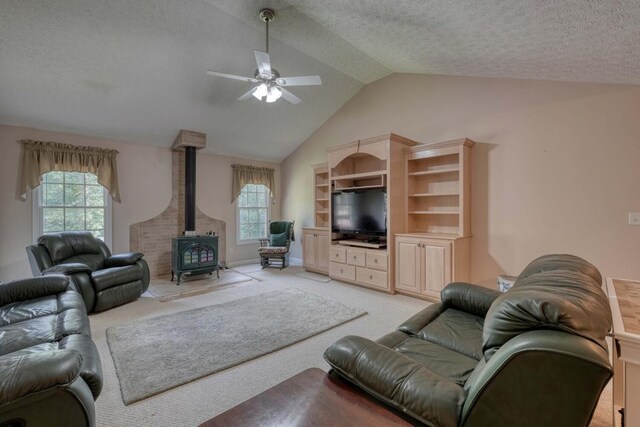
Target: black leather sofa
column 103, row 280
column 50, row 372
column 533, row 356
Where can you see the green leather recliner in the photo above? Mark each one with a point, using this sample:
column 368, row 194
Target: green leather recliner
column 533, row 356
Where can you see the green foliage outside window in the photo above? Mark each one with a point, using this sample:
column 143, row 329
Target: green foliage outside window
column 253, row 212
column 72, row 201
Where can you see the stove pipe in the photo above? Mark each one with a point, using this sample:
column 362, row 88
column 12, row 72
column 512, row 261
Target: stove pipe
column 189, row 190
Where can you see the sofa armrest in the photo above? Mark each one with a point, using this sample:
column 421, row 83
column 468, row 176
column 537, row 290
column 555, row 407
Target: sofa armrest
column 468, row 297
column 397, row 380
column 36, row 287
column 35, row 372
column 123, row 259
column 67, row 269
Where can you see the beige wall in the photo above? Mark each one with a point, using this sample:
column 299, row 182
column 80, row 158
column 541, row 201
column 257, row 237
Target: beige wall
column 555, row 170
column 145, row 185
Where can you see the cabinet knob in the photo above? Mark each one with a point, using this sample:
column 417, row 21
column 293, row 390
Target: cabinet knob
column 371, row 276
column 341, row 271
column 337, row 255
column 375, row 261
column 354, row 257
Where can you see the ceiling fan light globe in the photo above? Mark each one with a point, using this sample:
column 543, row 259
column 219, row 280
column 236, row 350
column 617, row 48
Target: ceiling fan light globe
column 274, row 94
column 261, row 91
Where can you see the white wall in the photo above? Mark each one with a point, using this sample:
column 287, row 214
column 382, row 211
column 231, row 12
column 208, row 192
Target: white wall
column 555, row 168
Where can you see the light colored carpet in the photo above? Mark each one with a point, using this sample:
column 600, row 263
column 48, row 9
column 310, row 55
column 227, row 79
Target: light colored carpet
column 247, row 268
column 314, row 276
column 155, row 355
column 198, row 401
column 163, row 289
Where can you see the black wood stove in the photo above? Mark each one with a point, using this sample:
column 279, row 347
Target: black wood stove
column 192, row 254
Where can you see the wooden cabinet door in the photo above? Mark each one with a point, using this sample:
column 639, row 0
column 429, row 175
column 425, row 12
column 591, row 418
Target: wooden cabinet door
column 408, row 256
column 323, row 242
column 437, row 266
column 309, row 249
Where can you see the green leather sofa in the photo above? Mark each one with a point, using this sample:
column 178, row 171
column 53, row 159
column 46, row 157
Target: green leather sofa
column 50, row 371
column 533, row 356
column 103, row 280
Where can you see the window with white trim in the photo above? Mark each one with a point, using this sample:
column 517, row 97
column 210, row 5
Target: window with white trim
column 252, row 206
column 71, row 201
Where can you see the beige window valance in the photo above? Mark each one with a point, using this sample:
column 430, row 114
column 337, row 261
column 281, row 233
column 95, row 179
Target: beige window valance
column 243, row 175
column 39, row 157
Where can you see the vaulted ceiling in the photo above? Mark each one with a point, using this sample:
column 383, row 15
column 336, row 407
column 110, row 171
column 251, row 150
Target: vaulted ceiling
column 136, row 70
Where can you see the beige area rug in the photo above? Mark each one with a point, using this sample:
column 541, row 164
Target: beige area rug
column 163, row 289
column 160, row 353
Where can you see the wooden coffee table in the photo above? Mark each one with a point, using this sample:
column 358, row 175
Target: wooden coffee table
column 310, row 398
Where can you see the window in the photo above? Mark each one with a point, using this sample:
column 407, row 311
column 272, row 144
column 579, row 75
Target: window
column 253, row 213
column 71, row 201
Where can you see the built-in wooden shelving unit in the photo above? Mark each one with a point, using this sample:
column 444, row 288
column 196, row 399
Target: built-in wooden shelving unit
column 322, row 194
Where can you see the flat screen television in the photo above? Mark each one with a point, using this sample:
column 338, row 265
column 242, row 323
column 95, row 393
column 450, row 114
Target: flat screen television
column 359, row 212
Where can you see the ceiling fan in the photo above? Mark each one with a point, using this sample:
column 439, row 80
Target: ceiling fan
column 270, row 84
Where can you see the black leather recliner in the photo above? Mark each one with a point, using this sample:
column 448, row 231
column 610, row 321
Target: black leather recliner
column 50, row 372
column 535, row 355
column 103, row 280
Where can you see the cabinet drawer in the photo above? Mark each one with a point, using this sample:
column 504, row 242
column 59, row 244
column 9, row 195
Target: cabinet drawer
column 342, row 271
column 377, row 261
column 338, row 254
column 356, row 257
column 371, row 277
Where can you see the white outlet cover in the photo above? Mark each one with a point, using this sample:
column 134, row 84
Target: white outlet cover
column 634, row 218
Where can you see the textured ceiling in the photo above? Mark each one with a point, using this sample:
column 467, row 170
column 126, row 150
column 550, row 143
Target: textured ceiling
column 136, row 69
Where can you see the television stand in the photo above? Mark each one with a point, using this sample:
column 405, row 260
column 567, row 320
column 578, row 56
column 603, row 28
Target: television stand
column 363, row 243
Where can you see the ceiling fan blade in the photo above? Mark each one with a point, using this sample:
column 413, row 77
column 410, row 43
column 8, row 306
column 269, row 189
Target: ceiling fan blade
column 264, row 62
column 299, row 81
column 288, row 96
column 247, row 95
column 232, row 76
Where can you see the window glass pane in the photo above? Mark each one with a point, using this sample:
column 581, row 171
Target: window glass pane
column 242, row 200
column 253, row 215
column 262, row 215
column 53, row 177
column 74, row 178
column 95, row 195
column 256, row 231
column 73, row 195
column 244, row 216
column 53, row 220
column 74, row 219
column 252, row 199
column 244, row 231
column 90, row 178
column 98, row 233
column 95, row 218
column 53, row 194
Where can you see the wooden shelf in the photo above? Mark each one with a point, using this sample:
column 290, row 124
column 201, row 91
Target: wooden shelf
column 433, row 194
column 321, row 196
column 361, row 175
column 433, row 213
column 359, row 187
column 434, row 172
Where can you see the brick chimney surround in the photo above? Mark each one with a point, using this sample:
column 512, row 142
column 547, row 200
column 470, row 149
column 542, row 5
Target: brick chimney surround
column 153, row 237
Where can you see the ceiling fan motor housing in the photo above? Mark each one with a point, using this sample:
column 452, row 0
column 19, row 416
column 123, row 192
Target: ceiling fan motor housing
column 267, row 14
